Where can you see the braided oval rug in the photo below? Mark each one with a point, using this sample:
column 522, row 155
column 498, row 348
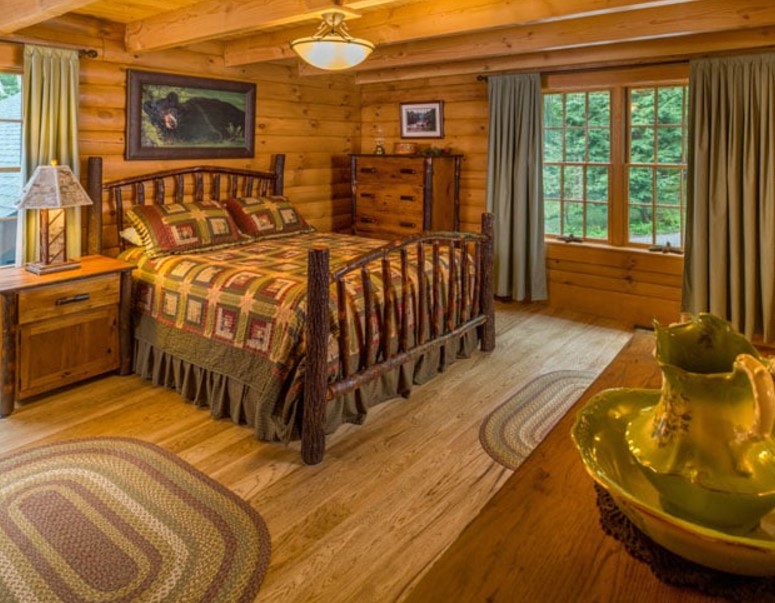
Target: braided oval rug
column 511, row 431
column 118, row 519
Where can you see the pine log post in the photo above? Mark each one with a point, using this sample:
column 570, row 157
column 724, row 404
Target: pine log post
column 94, row 240
column 8, row 321
column 125, row 331
column 313, row 437
column 487, row 299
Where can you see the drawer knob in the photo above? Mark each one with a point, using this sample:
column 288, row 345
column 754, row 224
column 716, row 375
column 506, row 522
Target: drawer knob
column 72, row 299
column 368, row 170
column 408, row 224
column 368, row 220
column 407, row 197
column 367, row 195
column 408, row 171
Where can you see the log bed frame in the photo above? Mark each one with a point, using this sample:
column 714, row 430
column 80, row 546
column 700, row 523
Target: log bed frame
column 190, row 183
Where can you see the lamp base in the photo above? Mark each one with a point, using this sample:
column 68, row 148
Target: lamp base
column 39, row 268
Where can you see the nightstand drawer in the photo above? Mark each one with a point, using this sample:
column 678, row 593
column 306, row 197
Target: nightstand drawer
column 67, row 298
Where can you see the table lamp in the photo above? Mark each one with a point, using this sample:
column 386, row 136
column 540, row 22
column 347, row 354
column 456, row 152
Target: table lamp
column 51, row 190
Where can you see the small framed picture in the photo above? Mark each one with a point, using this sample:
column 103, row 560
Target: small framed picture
column 422, row 120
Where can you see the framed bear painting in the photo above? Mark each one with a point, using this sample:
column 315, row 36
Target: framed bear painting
column 182, row 117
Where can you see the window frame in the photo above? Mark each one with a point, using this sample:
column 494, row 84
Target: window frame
column 13, row 70
column 618, row 81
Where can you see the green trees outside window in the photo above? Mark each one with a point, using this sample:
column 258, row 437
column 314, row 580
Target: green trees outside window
column 581, row 163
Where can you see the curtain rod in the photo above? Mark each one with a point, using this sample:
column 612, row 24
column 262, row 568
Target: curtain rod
column 582, row 69
column 82, row 52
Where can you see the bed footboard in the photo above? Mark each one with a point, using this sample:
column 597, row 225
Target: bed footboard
column 469, row 260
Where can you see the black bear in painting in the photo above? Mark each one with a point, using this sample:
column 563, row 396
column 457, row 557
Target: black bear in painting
column 197, row 120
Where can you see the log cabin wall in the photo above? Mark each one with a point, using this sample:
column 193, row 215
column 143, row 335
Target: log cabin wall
column 633, row 286
column 315, row 121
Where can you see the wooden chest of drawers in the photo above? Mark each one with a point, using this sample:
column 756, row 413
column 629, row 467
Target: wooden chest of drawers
column 399, row 195
column 62, row 327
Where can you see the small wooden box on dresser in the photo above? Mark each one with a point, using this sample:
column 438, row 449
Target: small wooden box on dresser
column 62, row 327
column 399, row 195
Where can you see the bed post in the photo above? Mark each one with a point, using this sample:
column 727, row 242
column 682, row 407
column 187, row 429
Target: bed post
column 95, row 211
column 313, row 437
column 279, row 170
column 487, row 299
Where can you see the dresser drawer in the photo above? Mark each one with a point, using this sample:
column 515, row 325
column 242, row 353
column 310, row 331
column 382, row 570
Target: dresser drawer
column 66, row 298
column 403, row 200
column 389, row 226
column 389, row 171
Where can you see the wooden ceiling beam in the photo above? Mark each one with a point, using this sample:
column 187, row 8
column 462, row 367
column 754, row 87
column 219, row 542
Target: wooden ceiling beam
column 680, row 48
column 652, row 23
column 434, row 18
column 18, row 14
column 218, row 18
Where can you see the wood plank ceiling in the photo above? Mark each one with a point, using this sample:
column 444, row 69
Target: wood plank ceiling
column 417, row 38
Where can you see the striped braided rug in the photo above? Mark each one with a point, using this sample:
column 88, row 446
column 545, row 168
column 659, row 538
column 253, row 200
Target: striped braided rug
column 117, row 519
column 511, row 431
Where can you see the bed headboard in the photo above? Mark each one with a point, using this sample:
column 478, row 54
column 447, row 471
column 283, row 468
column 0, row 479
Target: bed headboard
column 193, row 183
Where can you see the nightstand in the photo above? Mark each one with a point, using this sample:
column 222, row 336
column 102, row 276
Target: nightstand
column 63, row 327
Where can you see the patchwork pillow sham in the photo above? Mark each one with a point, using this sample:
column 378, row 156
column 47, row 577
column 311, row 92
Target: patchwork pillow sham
column 264, row 216
column 184, row 227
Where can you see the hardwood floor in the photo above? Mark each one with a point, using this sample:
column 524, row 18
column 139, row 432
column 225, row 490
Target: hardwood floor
column 390, row 496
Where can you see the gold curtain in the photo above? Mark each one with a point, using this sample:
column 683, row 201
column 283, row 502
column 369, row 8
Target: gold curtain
column 729, row 266
column 515, row 185
column 49, row 132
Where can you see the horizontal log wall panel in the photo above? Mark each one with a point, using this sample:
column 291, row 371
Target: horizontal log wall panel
column 632, row 283
column 636, row 286
column 630, row 309
column 603, row 255
column 465, row 129
column 314, row 121
column 599, row 279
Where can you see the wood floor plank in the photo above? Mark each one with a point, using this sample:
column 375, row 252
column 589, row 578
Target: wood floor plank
column 390, row 496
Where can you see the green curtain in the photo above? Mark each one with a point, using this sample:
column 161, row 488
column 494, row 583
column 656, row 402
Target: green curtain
column 729, row 267
column 49, row 132
column 515, row 185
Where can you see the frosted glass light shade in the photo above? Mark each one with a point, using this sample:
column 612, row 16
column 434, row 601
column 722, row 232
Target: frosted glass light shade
column 332, row 52
column 332, row 47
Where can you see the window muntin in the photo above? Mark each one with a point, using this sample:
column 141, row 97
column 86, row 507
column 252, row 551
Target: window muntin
column 656, row 166
column 615, row 164
column 10, row 162
column 577, row 140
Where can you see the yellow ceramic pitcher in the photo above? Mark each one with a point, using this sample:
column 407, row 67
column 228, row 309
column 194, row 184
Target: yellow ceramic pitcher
column 707, row 446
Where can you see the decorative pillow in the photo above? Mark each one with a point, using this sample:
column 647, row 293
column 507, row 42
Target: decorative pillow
column 263, row 216
column 183, row 227
column 131, row 235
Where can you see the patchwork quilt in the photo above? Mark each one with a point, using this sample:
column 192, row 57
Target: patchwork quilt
column 252, row 298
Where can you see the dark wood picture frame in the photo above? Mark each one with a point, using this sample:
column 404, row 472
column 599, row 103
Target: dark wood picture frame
column 422, row 119
column 172, row 116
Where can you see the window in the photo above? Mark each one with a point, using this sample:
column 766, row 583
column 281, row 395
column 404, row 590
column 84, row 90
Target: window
column 10, row 162
column 656, row 167
column 615, row 164
column 577, row 163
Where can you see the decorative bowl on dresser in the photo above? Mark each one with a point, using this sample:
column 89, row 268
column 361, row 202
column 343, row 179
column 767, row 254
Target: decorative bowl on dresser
column 399, row 195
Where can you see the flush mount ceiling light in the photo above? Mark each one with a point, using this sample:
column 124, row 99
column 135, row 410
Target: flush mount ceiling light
column 332, row 47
